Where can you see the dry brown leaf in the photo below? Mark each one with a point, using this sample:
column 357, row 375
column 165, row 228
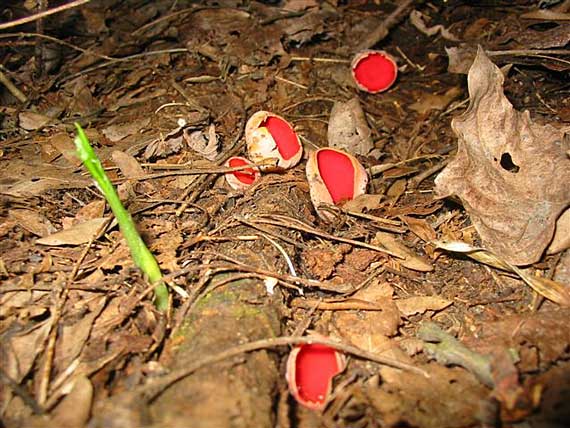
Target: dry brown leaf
column 129, row 166
column 165, row 247
column 302, row 29
column 95, row 209
column 348, row 129
column 417, row 20
column 166, row 145
column 420, row 227
column 370, row 330
column 32, row 221
column 83, row 102
column 298, row 5
column 556, row 37
column 78, row 234
column 547, row 15
column 363, row 203
column 460, row 59
column 132, row 97
column 64, row 145
column 203, row 142
column 510, row 173
column 420, row 304
column 30, row 120
column 396, row 190
column 117, row 257
column 72, row 337
column 561, row 240
column 75, row 409
column 408, row 258
column 18, row 351
column 562, row 271
column 429, row 101
column 119, row 131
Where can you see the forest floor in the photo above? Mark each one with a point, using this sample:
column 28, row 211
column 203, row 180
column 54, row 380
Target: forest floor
column 431, row 336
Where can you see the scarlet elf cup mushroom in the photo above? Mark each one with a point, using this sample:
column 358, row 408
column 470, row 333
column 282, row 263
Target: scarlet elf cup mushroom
column 270, row 137
column 374, row 71
column 310, row 372
column 242, row 179
column 334, row 177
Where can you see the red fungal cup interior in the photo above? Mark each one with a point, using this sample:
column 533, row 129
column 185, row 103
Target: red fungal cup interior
column 246, row 176
column 284, row 136
column 375, row 72
column 337, row 172
column 315, row 366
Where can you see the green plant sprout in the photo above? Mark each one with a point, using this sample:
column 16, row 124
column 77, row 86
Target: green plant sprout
column 142, row 256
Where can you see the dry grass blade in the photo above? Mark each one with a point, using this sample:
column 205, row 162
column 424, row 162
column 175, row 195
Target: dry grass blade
column 548, row 288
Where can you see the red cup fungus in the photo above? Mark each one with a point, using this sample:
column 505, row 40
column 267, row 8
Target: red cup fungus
column 242, row 179
column 310, row 372
column 374, row 71
column 270, row 137
column 334, row 177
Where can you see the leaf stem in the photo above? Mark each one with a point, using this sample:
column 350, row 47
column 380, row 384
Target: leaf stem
column 142, row 256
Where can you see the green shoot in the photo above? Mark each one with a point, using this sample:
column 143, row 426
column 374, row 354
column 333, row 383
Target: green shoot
column 142, row 256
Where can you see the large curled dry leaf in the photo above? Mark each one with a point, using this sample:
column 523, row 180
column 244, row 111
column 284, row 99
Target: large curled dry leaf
column 510, row 173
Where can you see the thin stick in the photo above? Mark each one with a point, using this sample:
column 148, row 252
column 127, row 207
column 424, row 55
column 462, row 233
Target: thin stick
column 83, row 254
column 59, row 42
column 319, row 59
column 290, row 82
column 284, row 278
column 384, row 28
column 21, row 392
column 190, row 171
column 43, row 14
column 152, row 390
column 345, row 305
column 12, row 88
column 49, row 354
column 305, row 228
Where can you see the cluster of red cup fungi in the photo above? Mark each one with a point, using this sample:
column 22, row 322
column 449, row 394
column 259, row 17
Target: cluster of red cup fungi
column 334, row 177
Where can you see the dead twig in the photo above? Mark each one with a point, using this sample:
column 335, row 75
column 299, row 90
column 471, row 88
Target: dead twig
column 43, row 14
column 291, row 223
column 12, row 88
column 49, row 354
column 287, row 280
column 57, row 41
column 384, row 28
column 20, row 392
column 349, row 304
column 289, row 15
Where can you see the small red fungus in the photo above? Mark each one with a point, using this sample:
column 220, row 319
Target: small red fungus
column 284, row 136
column 374, row 71
column 337, row 172
column 240, row 180
column 270, row 137
column 246, row 176
column 310, row 372
column 334, row 177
